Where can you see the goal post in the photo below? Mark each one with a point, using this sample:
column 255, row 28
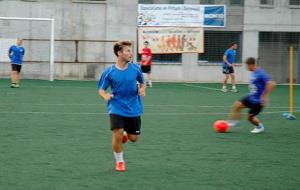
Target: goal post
column 52, row 30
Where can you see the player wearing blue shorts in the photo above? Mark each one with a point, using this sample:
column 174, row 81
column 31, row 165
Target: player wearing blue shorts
column 16, row 54
column 228, row 70
column 124, row 101
column 260, row 87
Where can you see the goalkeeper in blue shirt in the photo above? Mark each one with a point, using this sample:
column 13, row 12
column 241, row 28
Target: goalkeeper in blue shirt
column 124, row 101
column 16, row 54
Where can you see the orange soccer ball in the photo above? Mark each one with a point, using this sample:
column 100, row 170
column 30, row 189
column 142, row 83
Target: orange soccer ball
column 221, row 126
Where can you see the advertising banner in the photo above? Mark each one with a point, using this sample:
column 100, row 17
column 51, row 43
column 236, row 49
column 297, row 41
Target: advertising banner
column 164, row 40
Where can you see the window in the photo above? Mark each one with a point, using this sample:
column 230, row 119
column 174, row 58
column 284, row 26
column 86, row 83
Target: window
column 274, row 55
column 207, row 2
column 237, row 2
column 176, row 1
column 216, row 43
column 161, row 1
column 294, row 3
column 267, row 2
column 88, row 1
column 164, row 58
column 30, row 0
column 284, row 37
column 145, row 1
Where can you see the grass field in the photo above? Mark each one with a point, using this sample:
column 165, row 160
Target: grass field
column 55, row 136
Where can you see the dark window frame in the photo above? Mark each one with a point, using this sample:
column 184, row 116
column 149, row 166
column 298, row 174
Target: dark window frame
column 292, row 5
column 267, row 3
column 175, row 58
column 214, row 48
column 236, row 3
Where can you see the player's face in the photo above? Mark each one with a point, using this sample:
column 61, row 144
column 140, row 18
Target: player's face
column 19, row 42
column 146, row 44
column 126, row 54
column 235, row 46
column 250, row 67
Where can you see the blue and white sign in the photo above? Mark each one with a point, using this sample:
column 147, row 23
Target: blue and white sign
column 214, row 16
column 181, row 15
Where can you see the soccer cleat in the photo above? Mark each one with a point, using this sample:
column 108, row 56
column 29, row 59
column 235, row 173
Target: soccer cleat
column 224, row 89
column 13, row 85
column 233, row 123
column 257, row 130
column 120, row 167
column 234, row 90
column 124, row 137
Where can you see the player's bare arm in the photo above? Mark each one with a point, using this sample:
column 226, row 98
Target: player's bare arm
column 142, row 89
column 226, row 61
column 104, row 95
column 265, row 96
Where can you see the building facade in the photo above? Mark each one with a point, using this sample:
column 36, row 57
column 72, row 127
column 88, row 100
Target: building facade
column 86, row 30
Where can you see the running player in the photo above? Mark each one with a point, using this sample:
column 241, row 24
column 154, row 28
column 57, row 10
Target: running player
column 124, row 100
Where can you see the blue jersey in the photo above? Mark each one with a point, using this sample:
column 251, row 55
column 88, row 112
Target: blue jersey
column 258, row 82
column 230, row 55
column 16, row 54
column 123, row 83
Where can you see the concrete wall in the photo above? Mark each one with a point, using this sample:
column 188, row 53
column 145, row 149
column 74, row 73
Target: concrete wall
column 116, row 20
column 73, row 21
column 121, row 19
column 277, row 18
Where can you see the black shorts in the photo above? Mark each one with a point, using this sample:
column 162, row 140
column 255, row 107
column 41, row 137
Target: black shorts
column 228, row 70
column 15, row 67
column 132, row 125
column 146, row 68
column 255, row 109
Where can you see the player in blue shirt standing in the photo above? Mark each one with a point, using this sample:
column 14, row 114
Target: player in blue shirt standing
column 124, row 101
column 260, row 87
column 228, row 70
column 16, row 54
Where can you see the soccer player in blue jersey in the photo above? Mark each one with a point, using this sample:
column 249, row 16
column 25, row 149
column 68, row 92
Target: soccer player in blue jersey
column 125, row 108
column 228, row 70
column 16, row 54
column 260, row 87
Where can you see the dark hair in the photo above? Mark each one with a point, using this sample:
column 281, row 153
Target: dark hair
column 250, row 61
column 120, row 45
column 232, row 44
column 146, row 42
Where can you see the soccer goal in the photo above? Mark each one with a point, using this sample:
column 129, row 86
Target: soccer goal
column 38, row 41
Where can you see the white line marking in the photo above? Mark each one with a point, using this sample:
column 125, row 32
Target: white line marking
column 189, row 85
column 159, row 114
column 150, row 105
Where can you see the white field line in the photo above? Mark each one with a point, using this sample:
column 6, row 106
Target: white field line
column 154, row 105
column 155, row 114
